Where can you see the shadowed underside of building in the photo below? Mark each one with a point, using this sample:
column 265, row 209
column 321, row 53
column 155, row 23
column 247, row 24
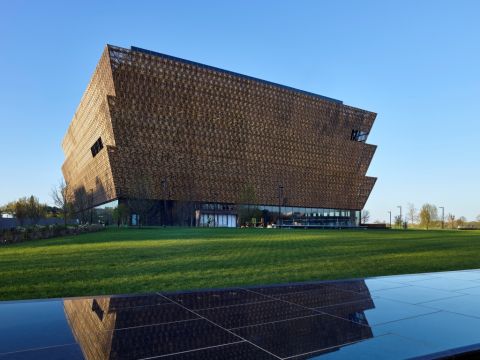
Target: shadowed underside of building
column 185, row 143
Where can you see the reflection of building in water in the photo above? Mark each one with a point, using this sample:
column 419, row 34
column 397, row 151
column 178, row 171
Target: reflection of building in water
column 355, row 311
column 136, row 327
column 132, row 327
column 88, row 319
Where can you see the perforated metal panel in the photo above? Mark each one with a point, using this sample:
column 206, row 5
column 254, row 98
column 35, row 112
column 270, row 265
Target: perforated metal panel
column 210, row 133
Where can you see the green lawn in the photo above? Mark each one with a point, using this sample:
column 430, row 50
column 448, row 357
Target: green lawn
column 143, row 260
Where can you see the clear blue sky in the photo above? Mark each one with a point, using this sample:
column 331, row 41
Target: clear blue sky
column 415, row 63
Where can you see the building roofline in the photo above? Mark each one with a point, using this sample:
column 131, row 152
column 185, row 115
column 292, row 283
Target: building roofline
column 285, row 87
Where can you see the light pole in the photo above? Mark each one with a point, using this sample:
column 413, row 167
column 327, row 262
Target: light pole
column 443, row 216
column 400, row 207
column 164, row 185
column 91, row 206
column 215, row 195
column 280, row 196
column 390, row 213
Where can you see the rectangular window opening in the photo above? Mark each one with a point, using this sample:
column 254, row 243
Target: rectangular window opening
column 358, row 135
column 97, row 147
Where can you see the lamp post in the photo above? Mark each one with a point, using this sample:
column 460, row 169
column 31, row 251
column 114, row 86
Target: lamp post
column 390, row 213
column 280, row 196
column 443, row 216
column 164, row 186
column 91, row 206
column 215, row 195
column 400, row 207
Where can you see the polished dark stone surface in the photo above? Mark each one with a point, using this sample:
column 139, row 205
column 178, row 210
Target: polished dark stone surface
column 426, row 316
column 212, row 299
column 439, row 331
column 387, row 346
column 324, row 296
column 126, row 301
column 415, row 294
column 237, row 351
column 253, row 314
column 304, row 335
column 71, row 352
column 377, row 311
column 149, row 315
column 29, row 325
column 163, row 339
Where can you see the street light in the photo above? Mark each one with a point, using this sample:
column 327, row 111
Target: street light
column 443, row 216
column 164, row 185
column 400, row 207
column 215, row 195
column 280, row 196
column 91, row 206
column 390, row 213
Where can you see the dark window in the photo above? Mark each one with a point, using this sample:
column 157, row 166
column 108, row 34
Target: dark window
column 358, row 135
column 97, row 147
column 97, row 309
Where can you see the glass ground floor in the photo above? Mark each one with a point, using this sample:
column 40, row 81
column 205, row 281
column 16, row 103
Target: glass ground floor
column 267, row 215
column 168, row 212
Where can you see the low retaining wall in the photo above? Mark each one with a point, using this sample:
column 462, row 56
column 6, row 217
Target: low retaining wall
column 19, row 235
column 10, row 223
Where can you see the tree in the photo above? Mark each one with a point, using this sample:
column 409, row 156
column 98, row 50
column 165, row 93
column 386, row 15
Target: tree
column 8, row 209
column 451, row 220
column 365, row 216
column 20, row 209
column 81, row 203
column 25, row 208
column 139, row 203
column 411, row 213
column 34, row 209
column 62, row 196
column 428, row 214
column 398, row 221
column 120, row 214
column 246, row 208
column 461, row 221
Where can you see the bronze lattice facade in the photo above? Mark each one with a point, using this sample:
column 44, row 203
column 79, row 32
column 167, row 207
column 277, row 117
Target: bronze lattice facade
column 153, row 126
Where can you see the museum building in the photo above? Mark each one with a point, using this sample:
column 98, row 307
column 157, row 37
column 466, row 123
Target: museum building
column 181, row 143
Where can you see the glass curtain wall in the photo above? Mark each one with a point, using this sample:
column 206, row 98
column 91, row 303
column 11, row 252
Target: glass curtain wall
column 288, row 216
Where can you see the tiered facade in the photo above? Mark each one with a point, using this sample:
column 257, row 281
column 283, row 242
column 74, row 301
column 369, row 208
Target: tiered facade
column 166, row 129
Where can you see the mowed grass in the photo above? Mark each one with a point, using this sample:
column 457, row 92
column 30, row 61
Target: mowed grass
column 157, row 259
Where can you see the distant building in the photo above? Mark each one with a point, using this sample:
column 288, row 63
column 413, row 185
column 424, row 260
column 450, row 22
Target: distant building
column 179, row 142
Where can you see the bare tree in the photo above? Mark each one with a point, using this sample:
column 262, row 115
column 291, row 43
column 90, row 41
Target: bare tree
column 412, row 213
column 120, row 214
column 365, row 216
column 62, row 196
column 245, row 206
column 451, row 220
column 191, row 205
column 139, row 203
column 81, row 203
column 461, row 221
column 428, row 214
